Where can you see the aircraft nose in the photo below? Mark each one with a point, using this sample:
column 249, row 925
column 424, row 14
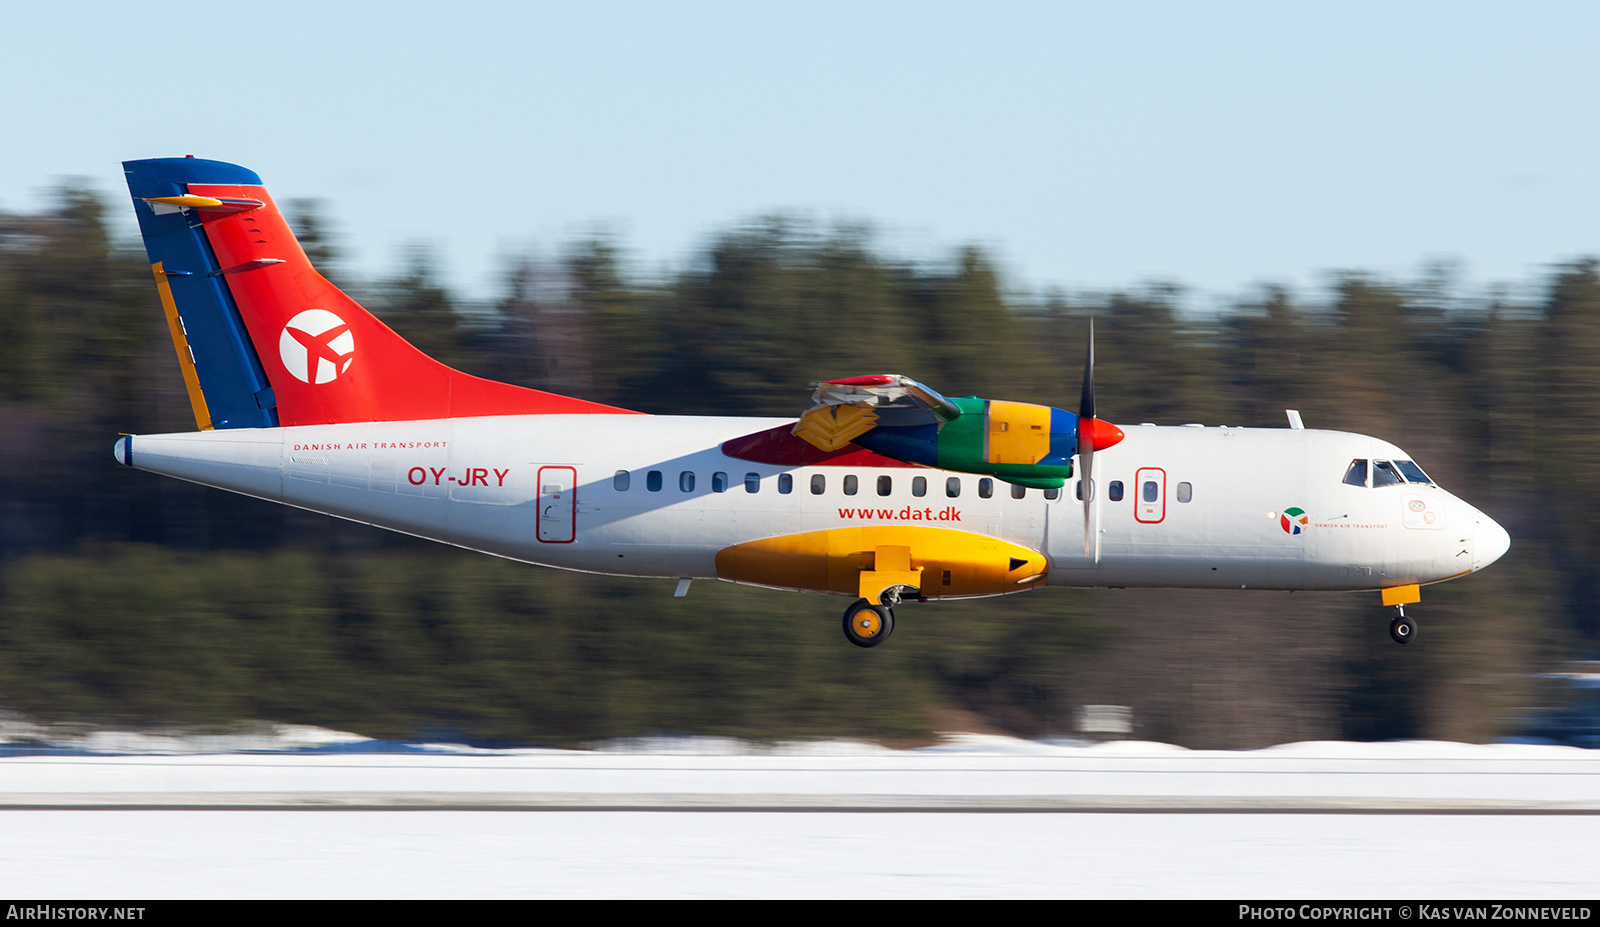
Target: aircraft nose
column 1489, row 543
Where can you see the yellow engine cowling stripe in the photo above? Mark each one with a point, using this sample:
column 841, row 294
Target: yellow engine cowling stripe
column 1019, row 432
column 180, row 343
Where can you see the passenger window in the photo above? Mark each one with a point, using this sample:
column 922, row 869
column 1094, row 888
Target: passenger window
column 652, row 481
column 1357, row 474
column 885, row 485
column 686, row 481
column 1185, row 492
column 985, row 488
column 1114, row 491
column 719, row 482
column 1080, row 490
column 818, row 484
column 919, row 486
column 1384, row 474
column 620, row 481
column 1151, row 491
column 752, row 482
column 1413, row 472
column 785, row 483
column 1018, row 492
column 952, row 487
column 851, row 484
column 1052, row 494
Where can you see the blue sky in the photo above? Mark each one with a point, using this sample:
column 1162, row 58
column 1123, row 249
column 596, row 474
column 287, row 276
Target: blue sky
column 1089, row 146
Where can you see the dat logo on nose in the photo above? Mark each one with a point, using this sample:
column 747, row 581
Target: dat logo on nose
column 316, row 346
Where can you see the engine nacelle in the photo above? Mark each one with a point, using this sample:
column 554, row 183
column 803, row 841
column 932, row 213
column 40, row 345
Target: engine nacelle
column 897, row 417
column 1019, row 442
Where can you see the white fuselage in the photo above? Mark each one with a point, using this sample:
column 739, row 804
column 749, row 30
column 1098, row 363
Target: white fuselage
column 546, row 489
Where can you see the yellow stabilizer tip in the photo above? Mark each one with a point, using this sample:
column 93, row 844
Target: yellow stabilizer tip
column 188, row 200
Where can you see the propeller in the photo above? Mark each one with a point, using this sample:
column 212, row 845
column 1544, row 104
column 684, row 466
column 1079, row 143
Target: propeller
column 1086, row 444
column 1093, row 434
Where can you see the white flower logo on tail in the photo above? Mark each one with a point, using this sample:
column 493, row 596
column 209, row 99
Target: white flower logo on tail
column 317, row 346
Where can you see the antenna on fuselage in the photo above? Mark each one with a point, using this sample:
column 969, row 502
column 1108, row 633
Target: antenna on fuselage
column 1294, row 420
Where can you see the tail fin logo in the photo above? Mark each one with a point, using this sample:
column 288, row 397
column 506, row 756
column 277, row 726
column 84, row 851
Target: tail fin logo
column 316, row 346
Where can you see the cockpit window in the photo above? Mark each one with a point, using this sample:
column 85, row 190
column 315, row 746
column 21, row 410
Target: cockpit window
column 1385, row 474
column 1413, row 472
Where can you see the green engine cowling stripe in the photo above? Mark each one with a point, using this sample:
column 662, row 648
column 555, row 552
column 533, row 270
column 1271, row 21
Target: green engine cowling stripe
column 963, row 442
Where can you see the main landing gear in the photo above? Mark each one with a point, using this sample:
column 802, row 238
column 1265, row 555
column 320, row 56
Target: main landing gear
column 868, row 625
column 1402, row 629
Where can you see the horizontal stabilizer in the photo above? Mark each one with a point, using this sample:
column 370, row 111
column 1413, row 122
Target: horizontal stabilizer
column 164, row 205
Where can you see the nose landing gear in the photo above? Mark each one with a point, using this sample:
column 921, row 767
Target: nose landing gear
column 1402, row 629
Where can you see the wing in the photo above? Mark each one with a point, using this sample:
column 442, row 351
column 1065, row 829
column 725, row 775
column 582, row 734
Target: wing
column 843, row 410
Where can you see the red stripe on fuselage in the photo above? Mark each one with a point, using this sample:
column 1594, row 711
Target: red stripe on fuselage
column 779, row 446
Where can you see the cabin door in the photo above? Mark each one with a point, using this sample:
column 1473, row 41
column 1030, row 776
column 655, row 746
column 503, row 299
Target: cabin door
column 558, row 505
column 1150, row 499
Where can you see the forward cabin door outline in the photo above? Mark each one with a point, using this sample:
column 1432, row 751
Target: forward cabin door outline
column 558, row 505
column 1150, row 505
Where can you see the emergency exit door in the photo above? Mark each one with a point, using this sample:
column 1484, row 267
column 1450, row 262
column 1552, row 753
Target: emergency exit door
column 558, row 505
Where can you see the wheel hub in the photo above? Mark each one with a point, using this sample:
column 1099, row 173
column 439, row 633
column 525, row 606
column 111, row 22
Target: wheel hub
column 867, row 625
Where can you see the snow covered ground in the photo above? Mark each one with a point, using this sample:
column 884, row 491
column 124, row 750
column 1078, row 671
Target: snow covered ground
column 297, row 812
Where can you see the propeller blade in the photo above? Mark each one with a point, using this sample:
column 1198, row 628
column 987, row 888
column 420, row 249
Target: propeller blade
column 1086, row 402
column 1086, row 457
column 1086, row 444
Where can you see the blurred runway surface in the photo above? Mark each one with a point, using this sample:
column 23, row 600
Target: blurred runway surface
column 974, row 817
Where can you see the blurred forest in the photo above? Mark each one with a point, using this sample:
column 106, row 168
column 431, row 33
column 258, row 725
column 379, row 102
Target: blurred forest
column 128, row 598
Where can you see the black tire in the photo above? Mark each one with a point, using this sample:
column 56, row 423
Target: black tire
column 867, row 625
column 1403, row 630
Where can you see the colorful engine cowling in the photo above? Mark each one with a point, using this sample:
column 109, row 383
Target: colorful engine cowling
column 897, row 417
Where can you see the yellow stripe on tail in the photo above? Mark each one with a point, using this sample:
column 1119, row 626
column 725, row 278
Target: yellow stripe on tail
column 180, row 342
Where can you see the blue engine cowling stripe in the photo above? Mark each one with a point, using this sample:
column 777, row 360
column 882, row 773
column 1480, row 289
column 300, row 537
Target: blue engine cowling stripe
column 1063, row 438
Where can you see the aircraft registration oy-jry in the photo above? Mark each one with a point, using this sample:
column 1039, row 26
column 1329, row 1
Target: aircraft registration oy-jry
column 882, row 491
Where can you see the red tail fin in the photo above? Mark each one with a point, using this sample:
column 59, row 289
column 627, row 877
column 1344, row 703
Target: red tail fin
column 328, row 359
